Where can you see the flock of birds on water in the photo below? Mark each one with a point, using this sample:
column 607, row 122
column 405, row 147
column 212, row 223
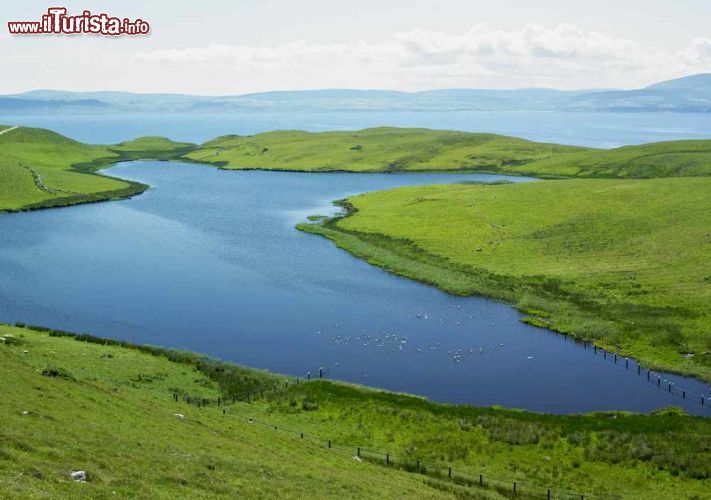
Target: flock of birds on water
column 399, row 343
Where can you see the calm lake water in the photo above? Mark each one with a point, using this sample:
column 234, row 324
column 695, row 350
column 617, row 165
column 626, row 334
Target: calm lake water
column 603, row 130
column 210, row 261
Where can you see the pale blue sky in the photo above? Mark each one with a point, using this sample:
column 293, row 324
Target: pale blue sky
column 227, row 47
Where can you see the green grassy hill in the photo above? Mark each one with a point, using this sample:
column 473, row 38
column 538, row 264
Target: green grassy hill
column 108, row 410
column 41, row 169
column 374, row 150
column 659, row 159
column 401, row 149
column 621, row 262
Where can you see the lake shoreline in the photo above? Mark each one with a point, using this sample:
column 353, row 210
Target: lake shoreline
column 379, row 250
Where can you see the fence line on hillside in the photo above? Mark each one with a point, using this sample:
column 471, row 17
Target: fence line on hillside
column 251, row 394
column 508, row 487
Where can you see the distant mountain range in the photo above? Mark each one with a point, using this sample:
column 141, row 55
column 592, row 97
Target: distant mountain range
column 691, row 94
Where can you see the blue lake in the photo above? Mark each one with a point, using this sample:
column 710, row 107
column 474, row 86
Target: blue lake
column 209, row 260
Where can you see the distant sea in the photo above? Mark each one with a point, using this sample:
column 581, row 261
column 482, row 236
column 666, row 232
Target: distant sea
column 603, row 130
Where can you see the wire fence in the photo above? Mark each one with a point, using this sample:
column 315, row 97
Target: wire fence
column 651, row 376
column 508, row 487
column 513, row 488
column 250, row 395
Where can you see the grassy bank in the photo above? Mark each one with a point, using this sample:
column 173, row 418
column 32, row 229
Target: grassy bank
column 108, row 410
column 620, row 262
column 398, row 149
column 42, row 169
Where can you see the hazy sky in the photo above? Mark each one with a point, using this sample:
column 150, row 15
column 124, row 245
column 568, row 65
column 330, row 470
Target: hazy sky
column 237, row 46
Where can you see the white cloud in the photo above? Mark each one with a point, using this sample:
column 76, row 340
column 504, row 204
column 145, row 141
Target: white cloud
column 565, row 56
column 698, row 52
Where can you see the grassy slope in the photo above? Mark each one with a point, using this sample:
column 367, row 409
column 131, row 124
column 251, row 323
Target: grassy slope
column 40, row 168
column 398, row 149
column 115, row 419
column 623, row 262
column 113, row 416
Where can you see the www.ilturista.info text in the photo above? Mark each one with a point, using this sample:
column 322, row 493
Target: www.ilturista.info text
column 56, row 21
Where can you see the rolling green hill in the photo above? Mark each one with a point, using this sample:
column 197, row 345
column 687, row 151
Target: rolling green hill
column 41, row 169
column 622, row 262
column 374, row 150
column 659, row 159
column 398, row 149
column 108, row 410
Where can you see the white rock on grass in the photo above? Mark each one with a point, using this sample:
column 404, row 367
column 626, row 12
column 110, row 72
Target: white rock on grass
column 178, row 415
column 79, row 476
